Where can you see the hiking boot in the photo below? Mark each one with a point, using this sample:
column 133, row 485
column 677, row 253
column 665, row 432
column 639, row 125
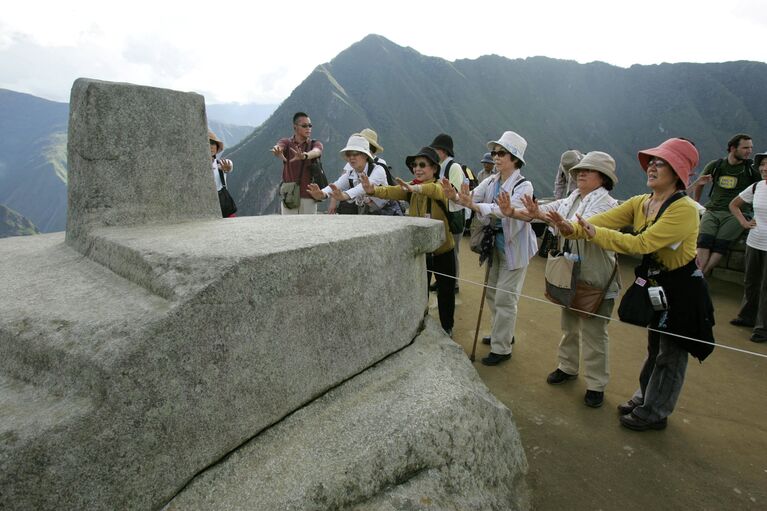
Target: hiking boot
column 558, row 377
column 633, row 422
column 758, row 338
column 594, row 398
column 488, row 340
column 627, row 407
column 493, row 359
column 741, row 322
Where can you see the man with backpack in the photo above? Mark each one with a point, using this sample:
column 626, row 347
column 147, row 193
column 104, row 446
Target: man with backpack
column 453, row 171
column 728, row 177
column 297, row 153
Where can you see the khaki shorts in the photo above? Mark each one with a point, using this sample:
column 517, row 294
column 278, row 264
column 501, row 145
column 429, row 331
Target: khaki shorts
column 718, row 229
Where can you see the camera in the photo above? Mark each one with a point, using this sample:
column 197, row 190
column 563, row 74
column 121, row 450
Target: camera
column 657, row 298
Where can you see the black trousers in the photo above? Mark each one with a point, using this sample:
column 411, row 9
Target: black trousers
column 443, row 263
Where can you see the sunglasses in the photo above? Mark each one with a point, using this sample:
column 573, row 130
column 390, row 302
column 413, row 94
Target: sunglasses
column 499, row 154
column 308, row 125
column 657, row 163
column 213, row 142
column 419, row 165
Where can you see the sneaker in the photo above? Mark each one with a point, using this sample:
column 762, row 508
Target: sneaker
column 559, row 376
column 741, row 322
column 633, row 422
column 627, row 407
column 493, row 359
column 594, row 398
column 758, row 338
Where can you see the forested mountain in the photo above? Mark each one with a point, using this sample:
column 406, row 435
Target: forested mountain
column 408, row 98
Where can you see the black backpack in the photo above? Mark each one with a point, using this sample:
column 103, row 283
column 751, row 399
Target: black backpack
column 468, row 174
column 389, row 178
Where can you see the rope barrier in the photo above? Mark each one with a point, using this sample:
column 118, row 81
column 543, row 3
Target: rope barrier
column 536, row 299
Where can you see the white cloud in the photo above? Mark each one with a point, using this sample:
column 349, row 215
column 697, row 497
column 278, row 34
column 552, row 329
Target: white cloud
column 260, row 52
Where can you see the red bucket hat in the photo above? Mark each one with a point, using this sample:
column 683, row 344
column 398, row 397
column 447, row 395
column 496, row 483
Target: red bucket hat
column 679, row 153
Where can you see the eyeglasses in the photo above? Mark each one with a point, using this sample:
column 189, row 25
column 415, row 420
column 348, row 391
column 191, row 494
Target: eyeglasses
column 307, row 125
column 499, row 154
column 420, row 165
column 657, row 163
column 351, row 154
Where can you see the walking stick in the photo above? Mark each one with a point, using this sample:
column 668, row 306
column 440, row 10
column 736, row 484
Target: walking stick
column 479, row 317
column 485, row 256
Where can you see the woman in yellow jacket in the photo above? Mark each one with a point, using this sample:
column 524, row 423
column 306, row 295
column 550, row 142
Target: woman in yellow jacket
column 668, row 243
column 427, row 200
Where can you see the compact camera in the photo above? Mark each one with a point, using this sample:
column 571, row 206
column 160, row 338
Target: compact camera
column 657, row 298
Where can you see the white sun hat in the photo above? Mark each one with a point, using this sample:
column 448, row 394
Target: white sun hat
column 359, row 144
column 513, row 143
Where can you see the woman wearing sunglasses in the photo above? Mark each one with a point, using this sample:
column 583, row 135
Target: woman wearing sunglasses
column 426, row 200
column 515, row 241
column 668, row 243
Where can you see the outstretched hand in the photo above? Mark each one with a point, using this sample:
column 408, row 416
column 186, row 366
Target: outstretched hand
column 531, row 205
column 277, row 151
column 564, row 227
column 504, row 204
column 315, row 191
column 405, row 185
column 366, row 184
column 448, row 190
column 338, row 194
column 591, row 231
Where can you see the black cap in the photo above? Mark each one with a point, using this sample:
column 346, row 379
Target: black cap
column 445, row 142
column 426, row 152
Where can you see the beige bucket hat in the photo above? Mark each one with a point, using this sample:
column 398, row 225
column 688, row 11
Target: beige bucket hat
column 599, row 161
column 357, row 143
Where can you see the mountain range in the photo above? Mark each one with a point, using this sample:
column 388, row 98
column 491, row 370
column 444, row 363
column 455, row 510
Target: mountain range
column 33, row 152
column 408, row 98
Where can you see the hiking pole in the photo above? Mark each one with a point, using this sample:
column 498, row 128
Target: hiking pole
column 479, row 317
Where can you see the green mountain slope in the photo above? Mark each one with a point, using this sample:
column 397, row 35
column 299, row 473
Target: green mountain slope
column 13, row 224
column 408, row 98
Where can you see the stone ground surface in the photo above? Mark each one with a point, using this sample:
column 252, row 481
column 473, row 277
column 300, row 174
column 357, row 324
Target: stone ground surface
column 712, row 456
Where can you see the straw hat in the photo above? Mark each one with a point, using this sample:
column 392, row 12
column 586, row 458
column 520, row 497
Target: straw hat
column 219, row 144
column 372, row 138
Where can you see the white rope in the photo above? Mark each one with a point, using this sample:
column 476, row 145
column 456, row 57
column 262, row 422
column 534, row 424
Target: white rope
column 535, row 299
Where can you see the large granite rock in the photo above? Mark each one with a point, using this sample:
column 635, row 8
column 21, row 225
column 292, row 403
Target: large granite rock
column 158, row 338
column 417, row 431
column 136, row 155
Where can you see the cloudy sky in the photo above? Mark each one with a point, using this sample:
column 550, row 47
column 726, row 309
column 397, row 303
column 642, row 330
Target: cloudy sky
column 259, row 52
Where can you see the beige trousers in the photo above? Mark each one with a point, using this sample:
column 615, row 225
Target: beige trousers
column 307, row 207
column 590, row 336
column 503, row 304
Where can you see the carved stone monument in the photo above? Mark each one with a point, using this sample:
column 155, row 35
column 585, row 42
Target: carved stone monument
column 162, row 356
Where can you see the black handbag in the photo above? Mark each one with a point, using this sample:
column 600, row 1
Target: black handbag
column 635, row 306
column 316, row 172
column 228, row 207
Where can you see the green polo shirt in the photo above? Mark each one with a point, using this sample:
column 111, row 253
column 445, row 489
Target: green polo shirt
column 729, row 182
